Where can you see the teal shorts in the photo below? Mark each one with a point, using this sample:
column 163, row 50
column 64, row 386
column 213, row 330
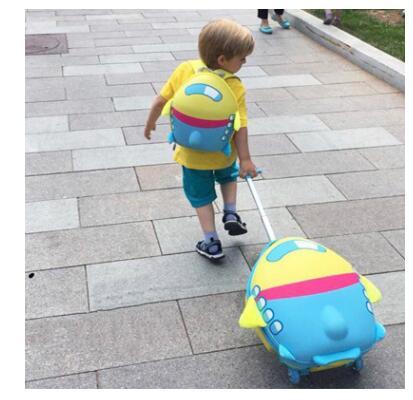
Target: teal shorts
column 199, row 185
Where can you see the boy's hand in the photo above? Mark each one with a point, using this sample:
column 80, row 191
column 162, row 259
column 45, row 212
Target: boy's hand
column 247, row 167
column 148, row 129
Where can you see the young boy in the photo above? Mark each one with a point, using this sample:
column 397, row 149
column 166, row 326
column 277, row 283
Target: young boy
column 223, row 44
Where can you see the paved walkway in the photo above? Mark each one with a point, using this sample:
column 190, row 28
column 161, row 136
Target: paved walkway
column 116, row 295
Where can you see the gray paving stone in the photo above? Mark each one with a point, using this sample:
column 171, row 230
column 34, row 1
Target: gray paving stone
column 377, row 101
column 385, row 157
column 45, row 95
column 305, row 106
column 51, row 215
column 187, row 231
column 309, row 68
column 174, row 25
column 134, row 134
column 74, row 140
column 90, row 245
column 134, row 30
column 284, row 124
column 369, row 253
column 137, row 16
column 43, row 72
column 111, row 26
column 390, row 310
column 47, row 124
column 82, row 12
column 268, row 60
column 47, row 163
column 212, row 322
column 119, row 284
column 164, row 47
column 99, row 51
column 268, row 94
column 362, row 185
column 343, row 76
column 108, row 120
column 136, row 57
column 84, row 343
column 302, row 164
column 56, row 292
column 257, row 368
column 343, row 139
column 397, row 131
column 101, row 69
column 346, row 217
column 133, row 103
column 381, row 86
column 119, row 157
column 132, row 207
column 287, row 191
column 80, row 381
column 80, row 184
column 142, row 77
column 332, row 90
column 68, row 107
column 331, row 104
column 127, row 41
column 396, row 238
column 280, row 81
column 64, row 82
column 42, row 28
column 363, row 119
column 270, row 144
column 91, row 92
column 160, row 176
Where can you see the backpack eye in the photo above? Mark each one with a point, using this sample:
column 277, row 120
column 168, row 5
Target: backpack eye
column 205, row 90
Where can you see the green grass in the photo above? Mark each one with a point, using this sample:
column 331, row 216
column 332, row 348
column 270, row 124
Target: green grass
column 385, row 36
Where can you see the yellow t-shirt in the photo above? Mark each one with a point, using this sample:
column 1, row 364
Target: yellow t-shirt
column 196, row 159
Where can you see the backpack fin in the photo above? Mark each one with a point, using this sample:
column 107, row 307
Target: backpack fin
column 167, row 108
column 237, row 121
column 170, row 137
column 373, row 293
column 227, row 149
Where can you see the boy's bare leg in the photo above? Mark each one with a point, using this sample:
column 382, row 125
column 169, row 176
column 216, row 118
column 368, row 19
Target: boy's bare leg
column 206, row 216
column 229, row 192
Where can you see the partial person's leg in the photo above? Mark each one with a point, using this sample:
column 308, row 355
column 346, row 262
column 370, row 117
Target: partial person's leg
column 264, row 27
column 278, row 17
column 328, row 17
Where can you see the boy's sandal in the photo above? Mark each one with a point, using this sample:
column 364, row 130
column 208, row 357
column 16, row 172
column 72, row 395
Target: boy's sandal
column 234, row 227
column 266, row 29
column 204, row 249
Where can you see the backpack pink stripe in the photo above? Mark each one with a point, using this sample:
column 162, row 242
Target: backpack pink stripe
column 202, row 123
column 311, row 286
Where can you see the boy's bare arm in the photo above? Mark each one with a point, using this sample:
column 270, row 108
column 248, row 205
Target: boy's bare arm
column 247, row 167
column 153, row 116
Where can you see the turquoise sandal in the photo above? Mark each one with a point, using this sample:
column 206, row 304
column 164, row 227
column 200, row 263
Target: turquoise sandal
column 266, row 29
column 284, row 23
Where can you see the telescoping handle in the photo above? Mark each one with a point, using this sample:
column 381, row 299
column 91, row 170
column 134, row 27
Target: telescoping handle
column 261, row 210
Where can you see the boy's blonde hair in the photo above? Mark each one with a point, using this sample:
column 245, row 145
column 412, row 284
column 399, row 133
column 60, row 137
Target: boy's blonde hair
column 224, row 37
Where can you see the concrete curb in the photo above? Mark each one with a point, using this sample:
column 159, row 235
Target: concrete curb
column 373, row 60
